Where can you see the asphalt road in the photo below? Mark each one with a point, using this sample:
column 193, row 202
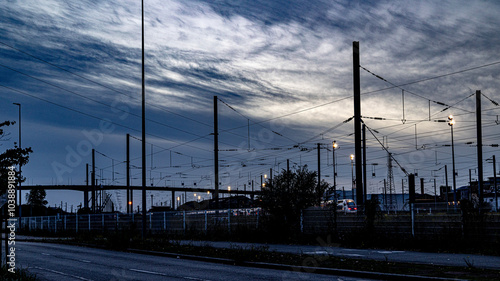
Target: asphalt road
column 63, row 262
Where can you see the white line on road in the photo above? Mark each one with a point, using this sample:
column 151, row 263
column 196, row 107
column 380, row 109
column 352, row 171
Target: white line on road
column 163, row 274
column 45, row 254
column 148, row 272
column 62, row 273
column 85, row 261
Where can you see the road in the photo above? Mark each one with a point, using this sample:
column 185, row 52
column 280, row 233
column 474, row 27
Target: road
column 64, row 262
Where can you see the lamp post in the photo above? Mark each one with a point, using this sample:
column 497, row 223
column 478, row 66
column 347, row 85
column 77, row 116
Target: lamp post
column 20, row 165
column 334, row 146
column 451, row 123
column 352, row 174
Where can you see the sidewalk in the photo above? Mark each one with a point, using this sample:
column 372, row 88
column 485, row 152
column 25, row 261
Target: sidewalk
column 447, row 259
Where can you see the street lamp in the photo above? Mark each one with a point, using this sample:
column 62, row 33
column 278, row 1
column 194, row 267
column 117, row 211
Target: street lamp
column 334, row 146
column 352, row 175
column 451, row 123
column 20, row 165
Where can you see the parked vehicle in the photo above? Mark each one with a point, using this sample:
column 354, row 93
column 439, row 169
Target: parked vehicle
column 346, row 206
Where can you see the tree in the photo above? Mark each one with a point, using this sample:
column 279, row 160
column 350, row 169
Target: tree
column 36, row 197
column 11, row 157
column 290, row 192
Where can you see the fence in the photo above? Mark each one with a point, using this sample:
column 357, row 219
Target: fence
column 427, row 220
column 173, row 222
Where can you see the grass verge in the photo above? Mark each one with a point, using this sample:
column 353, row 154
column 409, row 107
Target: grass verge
column 20, row 274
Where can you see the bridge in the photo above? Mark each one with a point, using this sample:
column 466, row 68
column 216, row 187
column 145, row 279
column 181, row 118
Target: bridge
column 88, row 188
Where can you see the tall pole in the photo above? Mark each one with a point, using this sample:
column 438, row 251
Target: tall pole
column 216, row 154
column 446, row 181
column 352, row 177
column 479, row 148
column 453, row 163
column 494, row 180
column 143, row 133
column 20, row 165
column 129, row 199
column 319, row 166
column 93, row 181
column 357, row 125
column 86, row 193
column 334, row 205
column 365, row 183
column 334, row 146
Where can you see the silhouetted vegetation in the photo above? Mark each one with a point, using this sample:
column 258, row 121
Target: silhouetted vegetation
column 11, row 157
column 287, row 195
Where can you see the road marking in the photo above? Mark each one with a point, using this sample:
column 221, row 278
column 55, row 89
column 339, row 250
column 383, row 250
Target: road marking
column 85, row 261
column 389, row 252
column 317, row 253
column 163, row 274
column 354, row 255
column 45, row 254
column 148, row 272
column 62, row 273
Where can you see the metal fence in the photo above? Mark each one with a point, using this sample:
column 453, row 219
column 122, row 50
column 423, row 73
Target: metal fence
column 426, row 221
column 175, row 222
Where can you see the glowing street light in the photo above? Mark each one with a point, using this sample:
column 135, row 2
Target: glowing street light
column 352, row 174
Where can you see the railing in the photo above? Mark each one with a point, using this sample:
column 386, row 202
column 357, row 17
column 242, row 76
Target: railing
column 176, row 222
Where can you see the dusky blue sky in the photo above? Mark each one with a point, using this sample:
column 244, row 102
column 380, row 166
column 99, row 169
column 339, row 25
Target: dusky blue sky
column 283, row 67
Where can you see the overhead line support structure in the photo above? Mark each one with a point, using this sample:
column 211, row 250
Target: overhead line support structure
column 357, row 125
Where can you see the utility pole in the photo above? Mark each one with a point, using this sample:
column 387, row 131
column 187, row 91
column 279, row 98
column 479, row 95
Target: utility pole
column 93, row 181
column 357, row 125
column 216, row 154
column 319, row 166
column 129, row 191
column 495, row 182
column 479, row 148
column 143, row 134
column 365, row 183
column 86, row 193
column 446, row 182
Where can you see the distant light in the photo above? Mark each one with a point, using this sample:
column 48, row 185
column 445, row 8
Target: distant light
column 335, row 145
column 130, row 202
column 208, row 192
column 228, row 188
column 352, row 156
column 195, row 195
column 178, row 198
column 265, row 176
